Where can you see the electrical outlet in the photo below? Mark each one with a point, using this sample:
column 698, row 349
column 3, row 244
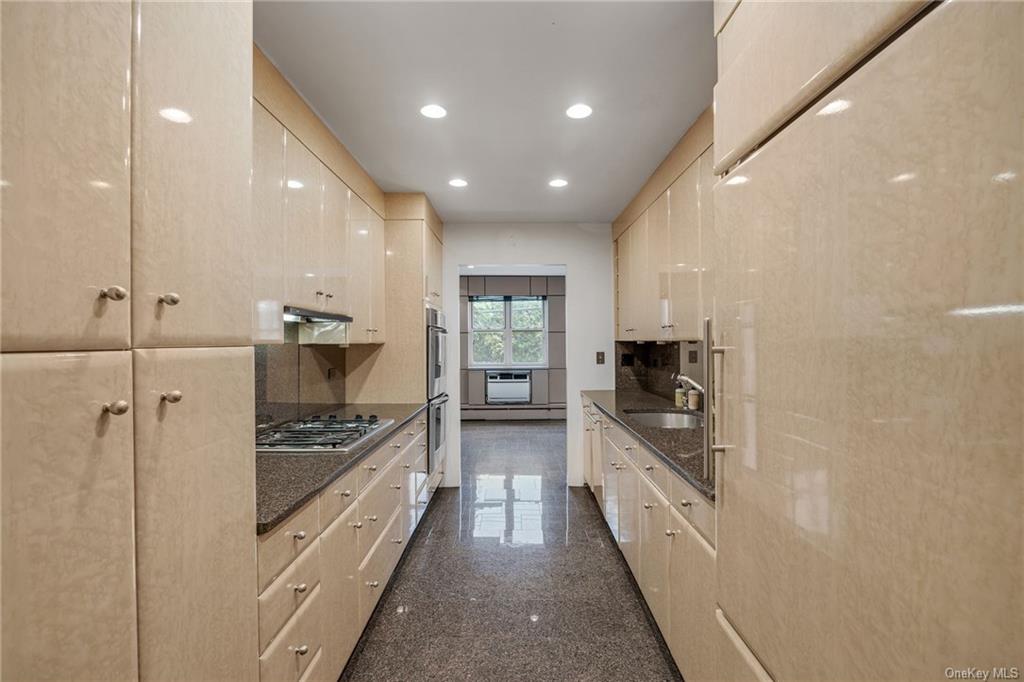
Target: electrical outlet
column 600, row 357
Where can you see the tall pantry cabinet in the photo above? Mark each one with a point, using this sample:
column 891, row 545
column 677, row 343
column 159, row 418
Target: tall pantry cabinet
column 871, row 386
column 128, row 466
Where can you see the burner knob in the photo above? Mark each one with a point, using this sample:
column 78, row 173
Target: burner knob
column 359, row 417
column 373, row 417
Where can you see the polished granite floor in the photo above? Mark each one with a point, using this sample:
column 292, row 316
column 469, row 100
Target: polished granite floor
column 513, row 577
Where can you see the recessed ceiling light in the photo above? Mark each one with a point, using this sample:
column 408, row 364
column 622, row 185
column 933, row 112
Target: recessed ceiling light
column 457, row 182
column 434, row 111
column 295, row 184
column 176, row 115
column 558, row 182
column 834, row 107
column 578, row 110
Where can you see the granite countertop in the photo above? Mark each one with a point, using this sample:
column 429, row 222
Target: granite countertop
column 681, row 449
column 285, row 482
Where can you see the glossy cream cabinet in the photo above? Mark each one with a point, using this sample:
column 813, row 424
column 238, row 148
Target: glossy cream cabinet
column 661, row 261
column 195, row 505
column 68, row 602
column 304, row 277
column 672, row 563
column 873, row 394
column 191, row 163
column 268, row 226
column 776, row 57
column 66, row 215
column 367, row 259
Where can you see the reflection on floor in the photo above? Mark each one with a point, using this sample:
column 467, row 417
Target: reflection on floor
column 516, row 578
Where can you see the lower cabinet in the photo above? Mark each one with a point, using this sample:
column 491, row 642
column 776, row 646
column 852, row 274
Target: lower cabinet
column 611, row 460
column 195, row 506
column 655, row 546
column 629, row 515
column 319, row 588
column 339, row 569
column 734, row 660
column 693, row 634
column 68, row 601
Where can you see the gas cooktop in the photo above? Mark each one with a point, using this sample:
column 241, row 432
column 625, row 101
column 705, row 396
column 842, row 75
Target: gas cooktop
column 317, row 434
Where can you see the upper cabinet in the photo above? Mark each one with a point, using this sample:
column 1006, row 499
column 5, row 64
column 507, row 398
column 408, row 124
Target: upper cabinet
column 66, row 272
column 367, row 264
column 434, row 264
column 268, row 178
column 662, row 261
column 334, row 235
column 192, row 156
column 304, row 279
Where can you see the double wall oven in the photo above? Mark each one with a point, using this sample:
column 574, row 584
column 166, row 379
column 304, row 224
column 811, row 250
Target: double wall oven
column 437, row 390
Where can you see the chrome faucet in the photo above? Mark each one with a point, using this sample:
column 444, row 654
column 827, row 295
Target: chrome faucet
column 682, row 380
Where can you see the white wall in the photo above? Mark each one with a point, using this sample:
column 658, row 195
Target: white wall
column 585, row 249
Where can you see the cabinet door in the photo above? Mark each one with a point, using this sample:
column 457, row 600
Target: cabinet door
column 69, row 557
column 611, row 461
column 191, row 166
column 304, row 280
column 642, row 294
column 334, row 232
column 708, row 239
column 268, row 177
column 66, row 206
column 625, row 329
column 655, row 544
column 195, row 471
column 659, row 268
column 692, row 636
column 378, row 279
column 586, row 427
column 360, row 271
column 875, row 251
column 685, row 252
column 339, row 569
column 597, row 470
column 435, row 266
column 629, row 515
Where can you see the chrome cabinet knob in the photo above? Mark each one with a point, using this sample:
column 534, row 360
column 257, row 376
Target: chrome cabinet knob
column 370, row 467
column 628, row 448
column 406, row 466
column 171, row 397
column 117, row 407
column 648, row 505
column 671, row 533
column 685, row 503
column 302, row 650
column 373, row 583
column 396, row 487
column 357, row 525
column 607, row 426
column 372, row 517
column 396, row 445
column 301, row 587
column 421, row 422
column 648, row 467
column 299, row 535
column 114, row 293
column 396, row 541
column 319, row 293
column 410, row 433
column 328, row 295
column 169, row 298
column 343, row 493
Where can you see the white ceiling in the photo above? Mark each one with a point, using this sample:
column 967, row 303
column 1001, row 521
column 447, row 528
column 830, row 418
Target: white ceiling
column 506, row 72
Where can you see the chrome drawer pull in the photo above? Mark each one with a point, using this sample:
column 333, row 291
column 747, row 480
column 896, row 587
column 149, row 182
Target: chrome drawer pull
column 685, row 503
column 169, row 298
column 343, row 493
column 302, row 650
column 397, row 541
column 118, row 407
column 649, row 467
column 648, row 505
column 396, row 487
column 370, row 467
column 171, row 397
column 396, row 445
column 114, row 293
column 357, row 524
column 299, row 535
column 406, row 466
column 671, row 533
column 373, row 583
column 301, row 587
column 371, row 518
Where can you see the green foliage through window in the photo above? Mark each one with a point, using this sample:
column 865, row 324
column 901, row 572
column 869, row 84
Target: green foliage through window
column 507, row 330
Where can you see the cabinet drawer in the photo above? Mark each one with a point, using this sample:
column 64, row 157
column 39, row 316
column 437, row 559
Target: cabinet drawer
column 278, row 548
column 316, row 671
column 338, row 497
column 655, row 470
column 694, row 507
column 375, row 570
column 374, row 465
column 377, row 505
column 622, row 440
column 286, row 594
column 294, row 648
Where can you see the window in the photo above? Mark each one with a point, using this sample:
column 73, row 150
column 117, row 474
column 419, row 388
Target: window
column 508, row 331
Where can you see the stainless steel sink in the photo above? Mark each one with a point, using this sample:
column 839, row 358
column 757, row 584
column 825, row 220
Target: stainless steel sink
column 666, row 420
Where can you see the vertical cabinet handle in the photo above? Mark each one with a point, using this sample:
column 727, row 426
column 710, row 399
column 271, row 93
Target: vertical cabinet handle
column 117, row 407
column 169, row 298
column 114, row 293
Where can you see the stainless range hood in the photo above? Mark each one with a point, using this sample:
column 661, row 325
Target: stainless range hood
column 317, row 327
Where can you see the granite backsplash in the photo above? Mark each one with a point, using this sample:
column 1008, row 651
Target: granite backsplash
column 289, row 376
column 649, row 366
